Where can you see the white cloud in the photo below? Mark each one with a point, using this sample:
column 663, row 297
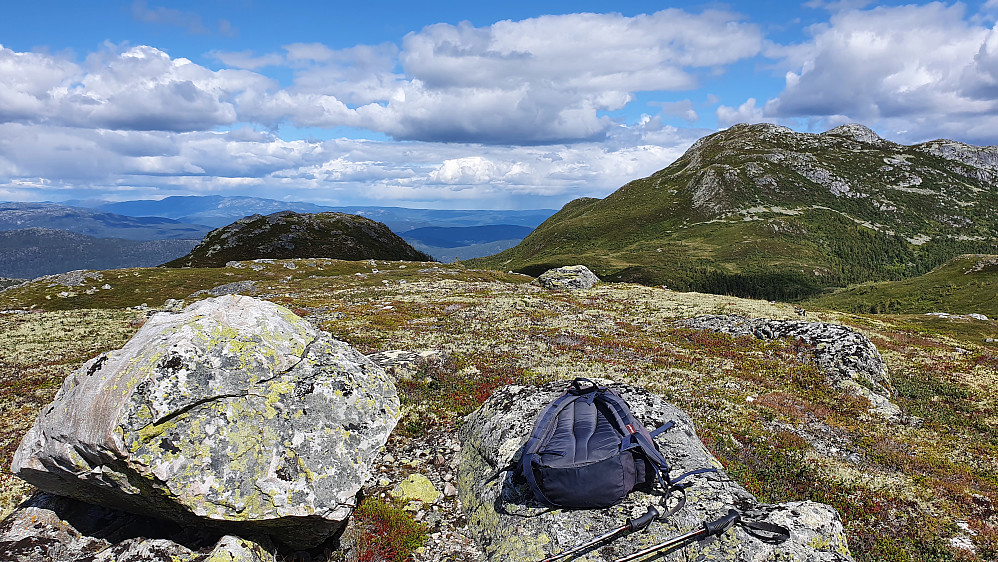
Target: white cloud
column 745, row 113
column 925, row 69
column 683, row 109
column 546, row 79
column 541, row 80
column 140, row 88
column 39, row 162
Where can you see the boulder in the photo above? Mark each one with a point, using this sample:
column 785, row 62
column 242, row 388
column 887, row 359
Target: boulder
column 509, row 525
column 50, row 528
column 234, row 413
column 849, row 359
column 568, row 278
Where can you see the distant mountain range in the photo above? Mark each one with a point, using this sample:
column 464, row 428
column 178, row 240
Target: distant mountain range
column 216, row 210
column 96, row 223
column 33, row 252
column 452, row 234
column 763, row 211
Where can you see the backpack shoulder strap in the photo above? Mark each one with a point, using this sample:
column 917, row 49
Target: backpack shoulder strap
column 538, row 436
column 633, row 436
column 662, row 429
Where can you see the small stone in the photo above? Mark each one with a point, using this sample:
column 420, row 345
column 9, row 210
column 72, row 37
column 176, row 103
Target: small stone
column 416, row 487
column 450, row 490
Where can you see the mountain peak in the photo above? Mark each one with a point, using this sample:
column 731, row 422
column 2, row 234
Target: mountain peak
column 856, row 132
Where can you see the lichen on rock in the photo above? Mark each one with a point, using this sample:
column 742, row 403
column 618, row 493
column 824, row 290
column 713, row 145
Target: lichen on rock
column 509, row 525
column 234, row 413
column 568, row 278
column 850, row 360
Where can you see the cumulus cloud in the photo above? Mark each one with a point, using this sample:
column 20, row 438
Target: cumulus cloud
column 510, row 82
column 683, row 109
column 917, row 71
column 505, row 83
column 140, row 88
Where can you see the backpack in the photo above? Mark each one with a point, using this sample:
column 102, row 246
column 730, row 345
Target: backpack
column 588, row 451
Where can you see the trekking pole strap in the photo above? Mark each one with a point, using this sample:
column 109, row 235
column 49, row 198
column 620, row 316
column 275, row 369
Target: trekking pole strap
column 766, row 531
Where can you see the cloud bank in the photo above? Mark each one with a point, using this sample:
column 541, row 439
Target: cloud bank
column 524, row 113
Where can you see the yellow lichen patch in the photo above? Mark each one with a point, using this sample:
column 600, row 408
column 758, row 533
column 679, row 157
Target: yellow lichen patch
column 416, row 487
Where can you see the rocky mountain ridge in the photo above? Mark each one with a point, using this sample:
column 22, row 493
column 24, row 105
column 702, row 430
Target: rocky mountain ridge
column 761, row 210
column 287, row 234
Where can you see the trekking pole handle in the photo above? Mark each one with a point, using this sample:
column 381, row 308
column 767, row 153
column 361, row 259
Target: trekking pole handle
column 642, row 522
column 723, row 524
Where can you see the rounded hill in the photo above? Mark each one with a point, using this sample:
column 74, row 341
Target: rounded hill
column 287, row 234
column 763, row 211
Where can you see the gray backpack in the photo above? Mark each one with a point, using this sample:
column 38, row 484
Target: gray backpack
column 588, row 451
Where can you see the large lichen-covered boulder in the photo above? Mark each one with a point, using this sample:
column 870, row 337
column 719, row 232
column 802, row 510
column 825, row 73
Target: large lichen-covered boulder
column 233, row 413
column 509, row 525
column 850, row 360
column 50, row 528
column 568, row 278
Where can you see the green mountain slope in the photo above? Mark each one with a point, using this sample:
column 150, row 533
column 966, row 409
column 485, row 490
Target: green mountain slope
column 967, row 284
column 292, row 235
column 763, row 211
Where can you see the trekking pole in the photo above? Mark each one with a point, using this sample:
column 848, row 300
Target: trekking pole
column 709, row 528
column 627, row 528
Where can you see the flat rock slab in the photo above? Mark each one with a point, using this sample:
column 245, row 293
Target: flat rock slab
column 509, row 525
column 234, row 413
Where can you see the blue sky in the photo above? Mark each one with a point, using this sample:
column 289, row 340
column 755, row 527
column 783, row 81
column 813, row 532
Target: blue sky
column 457, row 104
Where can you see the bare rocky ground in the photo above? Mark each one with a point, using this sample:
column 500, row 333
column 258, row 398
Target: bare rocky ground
column 921, row 487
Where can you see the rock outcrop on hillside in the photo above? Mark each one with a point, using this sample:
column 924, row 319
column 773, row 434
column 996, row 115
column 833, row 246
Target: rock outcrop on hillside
column 287, row 234
column 509, row 525
column 849, row 359
column 233, row 414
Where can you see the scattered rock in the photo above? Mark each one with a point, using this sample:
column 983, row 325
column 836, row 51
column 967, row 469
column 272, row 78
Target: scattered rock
column 74, row 278
column 849, row 359
column 509, row 525
column 408, row 365
column 234, row 413
column 947, row 315
column 173, row 305
column 236, row 288
column 568, row 278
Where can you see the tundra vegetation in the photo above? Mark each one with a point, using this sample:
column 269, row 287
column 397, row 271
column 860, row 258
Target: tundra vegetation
column 922, row 488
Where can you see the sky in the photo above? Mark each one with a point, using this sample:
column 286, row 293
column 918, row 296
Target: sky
column 457, row 105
